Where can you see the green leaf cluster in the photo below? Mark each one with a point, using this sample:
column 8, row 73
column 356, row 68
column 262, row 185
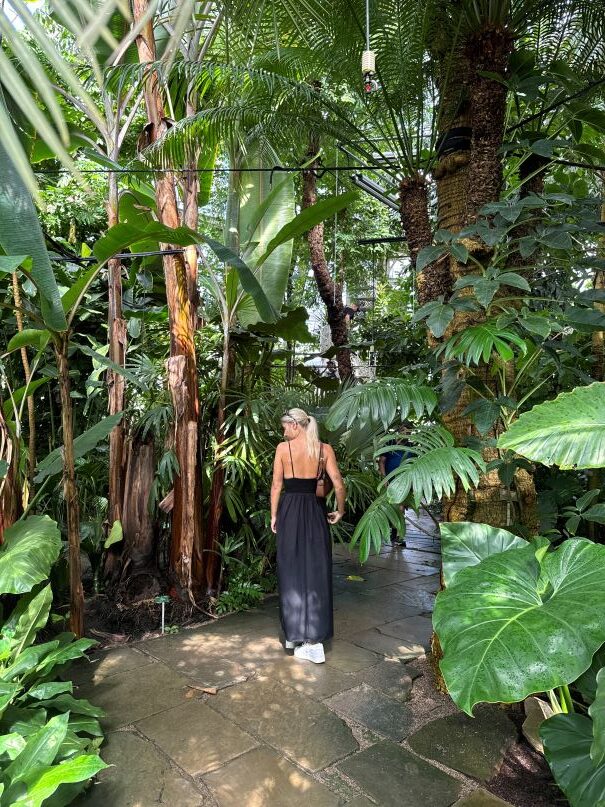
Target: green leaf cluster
column 48, row 738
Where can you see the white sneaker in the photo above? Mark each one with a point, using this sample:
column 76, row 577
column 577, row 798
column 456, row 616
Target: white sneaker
column 311, row 652
column 289, row 645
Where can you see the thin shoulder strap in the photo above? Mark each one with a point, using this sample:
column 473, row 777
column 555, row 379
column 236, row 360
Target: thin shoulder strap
column 321, row 457
column 291, row 460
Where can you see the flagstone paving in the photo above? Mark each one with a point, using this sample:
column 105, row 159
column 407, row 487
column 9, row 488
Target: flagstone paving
column 222, row 715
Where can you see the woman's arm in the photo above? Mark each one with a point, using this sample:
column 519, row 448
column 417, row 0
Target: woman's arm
column 339, row 486
column 276, row 486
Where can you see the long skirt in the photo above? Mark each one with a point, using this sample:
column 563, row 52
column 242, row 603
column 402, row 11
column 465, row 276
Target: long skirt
column 304, row 564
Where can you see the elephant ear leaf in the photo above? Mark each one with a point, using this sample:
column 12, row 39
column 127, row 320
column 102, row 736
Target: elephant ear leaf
column 489, row 616
column 465, row 544
column 597, row 712
column 567, row 742
column 568, row 432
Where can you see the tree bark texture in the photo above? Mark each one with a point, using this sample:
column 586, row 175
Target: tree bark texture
column 10, row 495
column 488, row 51
column 70, row 492
column 116, row 325
column 182, row 375
column 466, row 181
column 137, row 523
column 330, row 291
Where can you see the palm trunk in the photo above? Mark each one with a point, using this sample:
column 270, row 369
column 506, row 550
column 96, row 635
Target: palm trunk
column 488, row 51
column 182, row 375
column 414, row 212
column 116, row 326
column 70, row 492
column 330, row 291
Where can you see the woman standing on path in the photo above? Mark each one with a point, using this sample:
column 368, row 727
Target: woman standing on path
column 304, row 546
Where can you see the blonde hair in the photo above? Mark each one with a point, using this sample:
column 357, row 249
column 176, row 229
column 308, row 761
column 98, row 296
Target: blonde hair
column 309, row 424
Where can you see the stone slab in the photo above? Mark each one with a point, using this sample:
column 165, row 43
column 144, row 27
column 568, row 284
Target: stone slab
column 429, row 582
column 306, row 731
column 389, row 676
column 472, row 745
column 347, row 657
column 373, row 709
column 360, row 801
column 413, row 596
column 389, row 646
column 262, row 778
column 221, row 653
column 314, row 680
column 131, row 696
column 196, row 737
column 379, row 578
column 110, row 662
column 140, row 776
column 392, row 775
column 415, row 631
column 481, row 798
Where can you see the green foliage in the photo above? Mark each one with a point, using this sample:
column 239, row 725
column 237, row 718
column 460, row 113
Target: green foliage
column 568, row 432
column 465, row 544
column 45, row 745
column 490, row 615
column 378, row 403
column 29, row 550
column 567, row 740
column 374, row 527
column 433, row 468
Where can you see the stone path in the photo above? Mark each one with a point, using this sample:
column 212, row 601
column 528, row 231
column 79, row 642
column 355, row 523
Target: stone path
column 221, row 715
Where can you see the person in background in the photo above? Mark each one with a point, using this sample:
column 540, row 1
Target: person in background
column 349, row 312
column 390, row 461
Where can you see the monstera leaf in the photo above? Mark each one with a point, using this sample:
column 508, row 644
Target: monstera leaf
column 568, row 432
column 523, row 621
column 567, row 740
column 464, row 544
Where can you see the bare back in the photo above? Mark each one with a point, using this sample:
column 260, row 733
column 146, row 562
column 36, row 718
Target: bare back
column 296, row 461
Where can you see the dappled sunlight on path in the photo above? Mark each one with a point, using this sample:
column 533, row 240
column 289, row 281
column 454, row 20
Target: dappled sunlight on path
column 222, row 715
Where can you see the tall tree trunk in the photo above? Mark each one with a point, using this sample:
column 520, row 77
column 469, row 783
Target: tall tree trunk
column 137, row 524
column 330, row 290
column 10, row 495
column 116, row 326
column 414, row 213
column 182, row 375
column 70, row 492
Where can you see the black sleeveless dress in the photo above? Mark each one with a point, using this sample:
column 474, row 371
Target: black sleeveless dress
column 304, row 562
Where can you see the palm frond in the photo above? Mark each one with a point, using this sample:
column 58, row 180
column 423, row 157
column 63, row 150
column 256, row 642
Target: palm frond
column 379, row 402
column 374, row 527
column 430, row 473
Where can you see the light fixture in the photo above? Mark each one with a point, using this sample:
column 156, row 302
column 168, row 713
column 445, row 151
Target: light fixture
column 368, row 59
column 375, row 191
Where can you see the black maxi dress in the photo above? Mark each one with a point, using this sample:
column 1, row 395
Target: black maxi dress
column 304, row 562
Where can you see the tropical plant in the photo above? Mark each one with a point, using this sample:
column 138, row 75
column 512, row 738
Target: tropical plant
column 49, row 740
column 501, row 593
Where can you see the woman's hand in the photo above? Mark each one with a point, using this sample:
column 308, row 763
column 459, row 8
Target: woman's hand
column 273, row 523
column 335, row 517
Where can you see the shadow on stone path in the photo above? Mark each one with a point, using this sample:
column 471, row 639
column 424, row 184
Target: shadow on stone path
column 221, row 715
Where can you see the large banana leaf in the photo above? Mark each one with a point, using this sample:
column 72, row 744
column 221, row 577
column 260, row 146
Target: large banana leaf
column 464, row 544
column 53, row 462
column 27, row 618
column 20, row 234
column 29, row 550
column 568, row 432
column 264, row 211
column 567, row 740
column 378, row 402
column 521, row 622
